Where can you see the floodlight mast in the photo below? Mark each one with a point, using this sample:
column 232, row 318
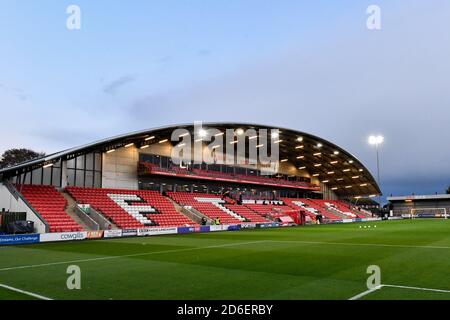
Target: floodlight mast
column 377, row 141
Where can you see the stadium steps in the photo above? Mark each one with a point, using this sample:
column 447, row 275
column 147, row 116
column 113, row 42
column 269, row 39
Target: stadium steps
column 71, row 211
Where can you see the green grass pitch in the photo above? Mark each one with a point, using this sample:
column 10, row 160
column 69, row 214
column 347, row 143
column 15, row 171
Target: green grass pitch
column 315, row 262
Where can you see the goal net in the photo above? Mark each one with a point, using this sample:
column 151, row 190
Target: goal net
column 429, row 213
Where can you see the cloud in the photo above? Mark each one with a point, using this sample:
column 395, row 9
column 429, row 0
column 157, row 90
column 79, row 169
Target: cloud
column 114, row 86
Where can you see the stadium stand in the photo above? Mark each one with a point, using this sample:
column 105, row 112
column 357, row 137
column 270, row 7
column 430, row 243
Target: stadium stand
column 312, row 208
column 247, row 213
column 150, row 168
column 209, row 205
column 131, row 208
column 51, row 206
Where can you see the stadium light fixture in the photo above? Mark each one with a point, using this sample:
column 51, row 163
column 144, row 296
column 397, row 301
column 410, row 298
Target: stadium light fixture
column 219, row 134
column 318, row 165
column 334, row 162
column 252, row 137
column 363, row 185
column 300, row 139
column 278, row 141
column 377, row 141
column 302, row 168
column 325, row 181
column 145, row 146
column 284, row 160
column 129, row 145
column 48, row 165
column 336, row 153
column 317, row 154
column 301, row 157
column 163, row 141
column 202, row 133
column 275, row 135
column 316, row 175
column 355, row 177
column 319, row 145
column 240, row 132
column 299, row 147
column 346, row 170
column 331, row 172
column 149, row 138
column 111, row 151
column 351, row 161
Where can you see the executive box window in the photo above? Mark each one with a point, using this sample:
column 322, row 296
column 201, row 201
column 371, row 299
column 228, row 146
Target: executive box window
column 85, row 171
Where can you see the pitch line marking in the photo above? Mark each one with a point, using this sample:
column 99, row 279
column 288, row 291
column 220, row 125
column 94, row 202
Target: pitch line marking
column 362, row 244
column 128, row 255
column 31, row 294
column 367, row 292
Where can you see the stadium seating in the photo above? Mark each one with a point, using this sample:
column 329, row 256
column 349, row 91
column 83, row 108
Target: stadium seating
column 208, row 204
column 311, row 207
column 51, row 206
column 132, row 208
column 247, row 213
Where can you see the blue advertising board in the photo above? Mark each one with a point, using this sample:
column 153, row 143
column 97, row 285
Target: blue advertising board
column 19, row 239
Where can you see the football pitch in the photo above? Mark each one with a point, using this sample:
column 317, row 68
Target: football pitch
column 314, row 262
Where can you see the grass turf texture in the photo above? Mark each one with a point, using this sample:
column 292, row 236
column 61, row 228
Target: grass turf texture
column 316, row 262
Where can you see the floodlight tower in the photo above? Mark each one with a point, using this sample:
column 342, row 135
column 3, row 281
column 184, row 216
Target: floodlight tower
column 377, row 141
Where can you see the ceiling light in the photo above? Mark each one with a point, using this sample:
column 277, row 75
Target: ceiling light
column 111, row 151
column 346, row 170
column 284, row 160
column 317, row 154
column 325, row 181
column 316, row 175
column 253, row 137
column 317, row 165
column 334, row 162
column 319, row 145
column 233, row 142
column 363, row 185
column 299, row 147
column 145, row 147
column 216, row 147
column 302, row 168
column 340, row 179
column 129, row 145
column 348, row 187
column 351, row 161
column 184, row 135
column 240, row 132
column 355, row 177
column 275, row 135
column 48, row 165
column 260, row 146
column 163, row 141
column 301, row 157
column 278, row 141
column 202, row 133
column 150, row 138
column 300, row 139
column 219, row 134
column 331, row 172
column 335, row 188
column 336, row 152
column 361, row 170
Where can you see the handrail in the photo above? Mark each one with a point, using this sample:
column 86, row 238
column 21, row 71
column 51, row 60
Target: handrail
column 16, row 194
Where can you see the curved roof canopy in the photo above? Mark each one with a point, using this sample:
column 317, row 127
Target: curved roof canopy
column 330, row 164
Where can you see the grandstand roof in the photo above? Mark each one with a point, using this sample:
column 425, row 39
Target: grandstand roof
column 345, row 174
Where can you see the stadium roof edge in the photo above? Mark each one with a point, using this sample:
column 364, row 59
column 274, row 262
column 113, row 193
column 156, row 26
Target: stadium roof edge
column 136, row 134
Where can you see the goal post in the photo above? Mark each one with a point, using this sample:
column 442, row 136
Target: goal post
column 429, row 213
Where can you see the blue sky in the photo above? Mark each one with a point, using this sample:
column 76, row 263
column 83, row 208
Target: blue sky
column 307, row 65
